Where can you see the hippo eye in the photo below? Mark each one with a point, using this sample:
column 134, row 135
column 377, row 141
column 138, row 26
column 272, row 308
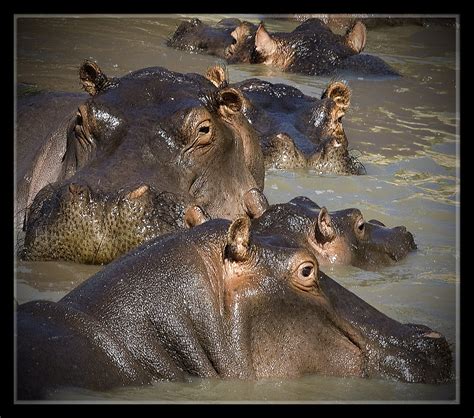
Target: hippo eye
column 204, row 129
column 360, row 227
column 204, row 135
column 305, row 276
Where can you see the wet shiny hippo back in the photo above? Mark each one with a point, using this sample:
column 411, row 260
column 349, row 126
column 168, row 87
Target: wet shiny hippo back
column 138, row 152
column 215, row 301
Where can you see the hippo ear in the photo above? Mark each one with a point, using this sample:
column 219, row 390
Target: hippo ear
column 324, row 230
column 195, row 216
column 92, row 78
column 264, row 43
column 238, row 237
column 218, row 76
column 356, row 37
column 230, row 101
column 340, row 93
column 241, row 32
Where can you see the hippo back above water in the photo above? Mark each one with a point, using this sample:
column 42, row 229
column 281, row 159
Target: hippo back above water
column 128, row 163
column 218, row 300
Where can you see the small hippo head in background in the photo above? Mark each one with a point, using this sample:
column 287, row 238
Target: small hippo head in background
column 313, row 49
column 338, row 237
column 138, row 152
column 197, row 36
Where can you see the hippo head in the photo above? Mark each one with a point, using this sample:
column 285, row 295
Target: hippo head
column 196, row 36
column 287, row 318
column 312, row 136
column 339, row 237
column 312, row 44
column 325, row 122
column 139, row 150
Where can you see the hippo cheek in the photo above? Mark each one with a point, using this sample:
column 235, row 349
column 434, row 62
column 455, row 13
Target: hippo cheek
column 308, row 344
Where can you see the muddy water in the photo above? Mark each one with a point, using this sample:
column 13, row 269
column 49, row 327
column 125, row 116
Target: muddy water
column 405, row 131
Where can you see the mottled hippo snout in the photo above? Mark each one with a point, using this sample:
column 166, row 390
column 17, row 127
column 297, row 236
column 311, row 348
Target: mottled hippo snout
column 74, row 223
column 422, row 357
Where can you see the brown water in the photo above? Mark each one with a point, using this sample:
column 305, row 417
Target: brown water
column 406, row 131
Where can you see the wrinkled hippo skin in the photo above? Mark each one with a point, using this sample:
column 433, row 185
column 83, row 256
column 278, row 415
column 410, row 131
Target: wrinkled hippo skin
column 337, row 237
column 134, row 161
column 296, row 130
column 215, row 301
column 311, row 49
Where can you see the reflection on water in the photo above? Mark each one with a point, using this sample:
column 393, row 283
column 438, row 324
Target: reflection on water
column 404, row 129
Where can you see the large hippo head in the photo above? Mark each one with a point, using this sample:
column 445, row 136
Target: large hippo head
column 338, row 237
column 217, row 300
column 137, row 153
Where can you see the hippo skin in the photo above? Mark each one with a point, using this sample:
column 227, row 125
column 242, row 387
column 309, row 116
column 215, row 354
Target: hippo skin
column 129, row 162
column 215, row 301
column 337, row 237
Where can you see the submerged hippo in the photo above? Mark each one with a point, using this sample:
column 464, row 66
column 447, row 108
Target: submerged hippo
column 127, row 163
column 338, row 237
column 342, row 21
column 312, row 48
column 297, row 130
column 215, row 301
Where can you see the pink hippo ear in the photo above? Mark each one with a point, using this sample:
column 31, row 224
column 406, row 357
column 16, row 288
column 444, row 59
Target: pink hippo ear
column 264, row 43
column 92, row 78
column 356, row 37
column 324, row 230
column 238, row 238
column 230, row 101
column 218, row 76
column 195, row 216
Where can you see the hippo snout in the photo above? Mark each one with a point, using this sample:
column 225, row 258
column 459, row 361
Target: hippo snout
column 77, row 222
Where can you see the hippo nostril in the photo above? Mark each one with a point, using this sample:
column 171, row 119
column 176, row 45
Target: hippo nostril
column 401, row 228
column 139, row 191
column 76, row 189
column 432, row 334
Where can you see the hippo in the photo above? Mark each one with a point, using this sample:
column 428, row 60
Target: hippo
column 342, row 21
column 215, row 301
column 336, row 237
column 311, row 49
column 296, row 130
column 134, row 160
